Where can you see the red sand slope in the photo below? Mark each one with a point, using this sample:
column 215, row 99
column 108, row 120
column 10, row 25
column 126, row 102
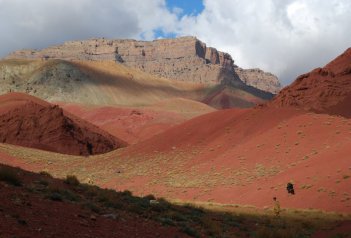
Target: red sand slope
column 247, row 157
column 137, row 124
column 31, row 122
column 130, row 124
column 237, row 124
column 231, row 156
column 323, row 90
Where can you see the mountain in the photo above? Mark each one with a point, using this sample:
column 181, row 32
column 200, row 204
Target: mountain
column 31, row 122
column 184, row 59
column 247, row 156
column 323, row 90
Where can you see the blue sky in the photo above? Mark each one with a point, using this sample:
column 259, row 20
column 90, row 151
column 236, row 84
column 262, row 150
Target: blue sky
column 188, row 7
column 181, row 8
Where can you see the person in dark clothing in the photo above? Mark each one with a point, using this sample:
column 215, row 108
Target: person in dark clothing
column 276, row 207
column 290, row 188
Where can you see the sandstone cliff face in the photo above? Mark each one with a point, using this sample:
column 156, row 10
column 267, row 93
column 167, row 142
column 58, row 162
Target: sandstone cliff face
column 184, row 59
column 259, row 79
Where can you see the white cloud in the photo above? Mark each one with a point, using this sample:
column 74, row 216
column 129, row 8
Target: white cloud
column 286, row 37
column 40, row 23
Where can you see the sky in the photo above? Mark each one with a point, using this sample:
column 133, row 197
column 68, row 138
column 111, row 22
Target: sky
column 285, row 37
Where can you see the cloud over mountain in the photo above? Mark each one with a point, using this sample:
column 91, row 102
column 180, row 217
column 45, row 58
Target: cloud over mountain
column 285, row 37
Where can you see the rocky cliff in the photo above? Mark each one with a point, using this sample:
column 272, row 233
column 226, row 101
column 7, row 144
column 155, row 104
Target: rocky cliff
column 259, row 79
column 184, row 59
column 323, row 90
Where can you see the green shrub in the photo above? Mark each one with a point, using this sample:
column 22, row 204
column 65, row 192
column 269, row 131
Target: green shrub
column 58, row 194
column 190, row 231
column 45, row 173
column 126, row 193
column 70, row 196
column 92, row 207
column 43, row 182
column 149, row 197
column 9, row 176
column 274, row 232
column 165, row 221
column 55, row 197
column 72, row 180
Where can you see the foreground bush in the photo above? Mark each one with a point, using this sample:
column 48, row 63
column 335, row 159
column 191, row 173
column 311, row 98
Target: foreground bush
column 72, row 180
column 9, row 176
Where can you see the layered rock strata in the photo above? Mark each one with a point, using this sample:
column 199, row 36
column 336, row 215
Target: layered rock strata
column 184, row 59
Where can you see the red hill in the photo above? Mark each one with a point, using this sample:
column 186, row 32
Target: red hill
column 323, row 90
column 31, row 122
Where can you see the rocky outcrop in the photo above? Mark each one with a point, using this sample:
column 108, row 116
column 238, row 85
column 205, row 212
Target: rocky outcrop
column 184, row 59
column 259, row 79
column 323, row 90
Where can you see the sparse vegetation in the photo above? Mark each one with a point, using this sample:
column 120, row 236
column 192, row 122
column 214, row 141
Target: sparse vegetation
column 45, row 173
column 9, row 176
column 209, row 220
column 72, row 180
column 306, row 186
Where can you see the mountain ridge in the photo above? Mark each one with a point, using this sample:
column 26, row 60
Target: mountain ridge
column 183, row 59
column 323, row 90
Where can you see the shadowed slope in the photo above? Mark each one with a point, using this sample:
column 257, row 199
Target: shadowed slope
column 38, row 205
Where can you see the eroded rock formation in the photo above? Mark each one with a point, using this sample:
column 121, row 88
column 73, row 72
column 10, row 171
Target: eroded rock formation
column 324, row 90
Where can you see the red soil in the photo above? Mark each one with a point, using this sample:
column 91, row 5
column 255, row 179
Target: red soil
column 130, row 124
column 29, row 214
column 214, row 128
column 323, row 90
column 31, row 122
column 263, row 149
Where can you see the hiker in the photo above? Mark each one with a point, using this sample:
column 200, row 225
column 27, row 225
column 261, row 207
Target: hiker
column 290, row 188
column 276, row 207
